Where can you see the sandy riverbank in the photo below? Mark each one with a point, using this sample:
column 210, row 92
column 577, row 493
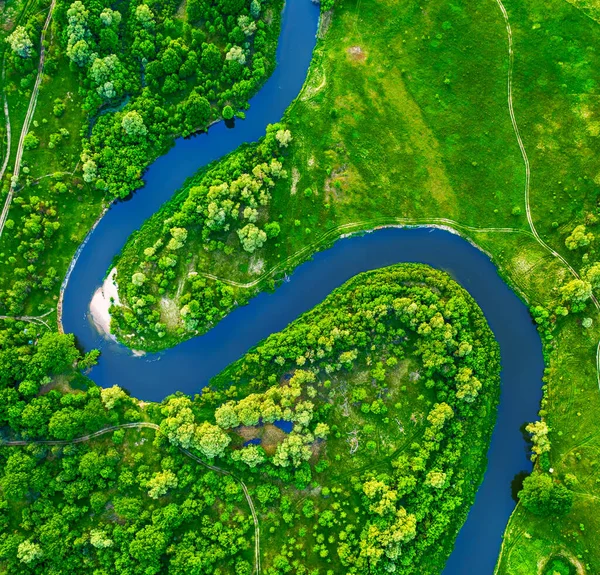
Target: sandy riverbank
column 101, row 303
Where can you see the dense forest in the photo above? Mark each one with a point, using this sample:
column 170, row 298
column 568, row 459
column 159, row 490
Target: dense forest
column 359, row 433
column 121, row 82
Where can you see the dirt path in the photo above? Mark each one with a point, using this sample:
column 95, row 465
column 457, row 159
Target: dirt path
column 362, row 226
column 155, row 427
column 528, row 171
column 27, row 121
column 37, row 319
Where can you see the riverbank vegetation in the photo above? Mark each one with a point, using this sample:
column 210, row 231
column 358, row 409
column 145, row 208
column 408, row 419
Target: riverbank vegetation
column 360, row 432
column 404, row 119
column 117, row 86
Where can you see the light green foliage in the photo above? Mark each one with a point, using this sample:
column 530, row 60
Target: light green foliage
column 99, row 539
column 235, row 54
column 251, row 455
column 160, row 483
column 112, row 396
column 138, row 279
column 29, row 552
column 284, row 137
column 579, row 238
column 144, row 15
column 539, row 436
column 133, row 124
column 20, row 43
column 210, row 440
column 252, row 237
column 31, row 141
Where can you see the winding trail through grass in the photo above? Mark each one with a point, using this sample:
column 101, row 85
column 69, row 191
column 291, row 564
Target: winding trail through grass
column 515, row 125
column 155, row 427
column 27, row 121
column 350, row 228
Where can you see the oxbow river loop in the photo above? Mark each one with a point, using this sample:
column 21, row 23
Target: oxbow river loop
column 190, row 365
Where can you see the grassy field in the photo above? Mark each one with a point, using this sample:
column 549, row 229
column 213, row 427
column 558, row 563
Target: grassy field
column 404, row 118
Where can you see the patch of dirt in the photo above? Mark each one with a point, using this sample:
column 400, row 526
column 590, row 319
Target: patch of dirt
column 324, row 23
column 256, row 265
column 295, row 178
column 356, row 53
column 334, row 184
column 180, row 14
column 272, row 437
column 248, row 432
column 561, row 554
column 311, row 162
column 169, row 312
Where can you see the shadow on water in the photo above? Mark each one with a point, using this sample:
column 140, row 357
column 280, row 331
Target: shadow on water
column 517, row 484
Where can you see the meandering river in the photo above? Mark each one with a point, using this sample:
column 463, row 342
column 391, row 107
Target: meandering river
column 189, row 366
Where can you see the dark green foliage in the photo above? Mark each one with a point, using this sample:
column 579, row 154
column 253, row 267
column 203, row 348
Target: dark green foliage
column 131, row 503
column 544, row 496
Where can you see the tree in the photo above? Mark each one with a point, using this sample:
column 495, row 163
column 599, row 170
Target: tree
column 31, row 141
column 436, row 479
column 579, row 238
column 543, row 496
column 592, row 275
column 231, row 6
column 211, row 440
column 138, row 279
column 283, row 137
column 211, row 57
column 197, row 111
column 252, row 237
column 321, row 430
column 80, row 53
column 272, row 229
column 109, row 17
column 539, row 436
column 178, row 238
column 160, row 483
column 144, row 16
column 226, row 416
column 440, row 413
column 111, row 396
column 468, row 386
column 251, row 455
column 236, row 54
column 133, row 124
column 99, row 539
column 55, row 354
column 227, row 113
column 20, row 42
column 29, row 552
column 89, row 169
column 576, row 292
column 255, row 9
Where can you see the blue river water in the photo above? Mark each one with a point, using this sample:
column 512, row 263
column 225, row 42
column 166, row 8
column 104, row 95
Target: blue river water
column 189, row 366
